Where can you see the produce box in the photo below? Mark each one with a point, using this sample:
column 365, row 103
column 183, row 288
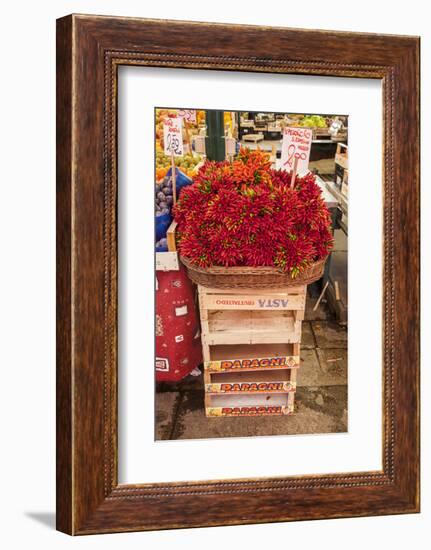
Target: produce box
column 270, row 381
column 245, row 358
column 248, row 405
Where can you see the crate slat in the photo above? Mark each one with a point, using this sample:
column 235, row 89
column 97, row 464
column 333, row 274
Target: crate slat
column 250, row 387
column 273, row 292
column 264, row 357
column 258, row 363
column 261, row 302
column 248, row 405
column 170, row 236
column 251, row 327
column 246, row 321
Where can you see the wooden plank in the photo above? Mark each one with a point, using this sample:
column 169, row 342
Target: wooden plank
column 170, row 236
column 265, row 363
column 275, row 337
column 232, row 321
column 261, row 375
column 251, row 327
column 259, row 381
column 299, row 314
column 252, row 357
column 248, row 411
column 219, row 353
column 204, row 327
column 207, row 401
column 262, row 302
column 276, row 386
column 272, row 292
column 291, row 401
column 248, row 405
column 293, row 376
column 207, row 377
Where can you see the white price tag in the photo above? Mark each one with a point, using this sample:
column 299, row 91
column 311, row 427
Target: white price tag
column 189, row 115
column 167, row 261
column 173, row 136
column 296, row 145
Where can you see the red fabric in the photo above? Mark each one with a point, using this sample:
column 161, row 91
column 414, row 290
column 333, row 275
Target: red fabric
column 178, row 343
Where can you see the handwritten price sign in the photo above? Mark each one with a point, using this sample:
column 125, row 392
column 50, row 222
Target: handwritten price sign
column 189, row 115
column 173, row 137
column 296, row 145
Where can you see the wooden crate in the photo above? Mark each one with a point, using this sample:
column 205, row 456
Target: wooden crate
column 251, row 347
column 253, row 299
column 267, row 381
column 341, row 155
column 244, row 317
column 250, row 327
column 248, row 405
column 321, row 133
column 245, row 358
column 253, row 137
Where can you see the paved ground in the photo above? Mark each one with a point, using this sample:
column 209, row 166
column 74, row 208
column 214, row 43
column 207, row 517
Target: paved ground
column 320, row 402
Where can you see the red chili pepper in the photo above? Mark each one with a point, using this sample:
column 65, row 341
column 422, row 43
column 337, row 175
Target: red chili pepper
column 244, row 213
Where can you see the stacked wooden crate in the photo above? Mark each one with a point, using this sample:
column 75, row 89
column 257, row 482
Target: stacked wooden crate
column 341, row 175
column 321, row 134
column 251, row 347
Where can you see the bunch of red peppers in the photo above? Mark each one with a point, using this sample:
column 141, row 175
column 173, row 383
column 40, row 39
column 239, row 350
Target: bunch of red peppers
column 246, row 214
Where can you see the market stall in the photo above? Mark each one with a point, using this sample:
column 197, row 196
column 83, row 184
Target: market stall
column 234, row 262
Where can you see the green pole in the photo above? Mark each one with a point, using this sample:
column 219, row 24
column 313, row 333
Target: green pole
column 215, row 142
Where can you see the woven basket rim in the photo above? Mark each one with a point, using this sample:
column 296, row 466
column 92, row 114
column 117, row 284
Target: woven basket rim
column 247, row 270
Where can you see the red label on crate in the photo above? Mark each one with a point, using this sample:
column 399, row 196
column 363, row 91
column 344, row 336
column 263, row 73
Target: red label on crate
column 254, row 363
column 253, row 386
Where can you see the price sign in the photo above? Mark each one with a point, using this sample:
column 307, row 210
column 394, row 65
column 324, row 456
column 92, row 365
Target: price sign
column 230, row 146
column 296, row 145
column 173, row 136
column 189, row 115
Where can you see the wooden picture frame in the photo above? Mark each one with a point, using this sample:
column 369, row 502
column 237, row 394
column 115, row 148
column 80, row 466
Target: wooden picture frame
column 89, row 51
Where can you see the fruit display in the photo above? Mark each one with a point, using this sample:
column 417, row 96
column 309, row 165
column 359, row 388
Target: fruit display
column 164, row 196
column 164, row 199
column 246, row 214
column 193, row 127
column 187, row 164
column 313, row 121
column 161, row 114
column 163, row 203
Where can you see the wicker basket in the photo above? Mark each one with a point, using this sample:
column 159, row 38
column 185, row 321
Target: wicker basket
column 251, row 277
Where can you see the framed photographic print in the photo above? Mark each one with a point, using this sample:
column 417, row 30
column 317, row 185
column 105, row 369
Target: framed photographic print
column 237, row 274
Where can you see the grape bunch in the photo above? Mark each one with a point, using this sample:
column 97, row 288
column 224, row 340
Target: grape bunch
column 164, row 196
column 164, row 201
column 163, row 243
